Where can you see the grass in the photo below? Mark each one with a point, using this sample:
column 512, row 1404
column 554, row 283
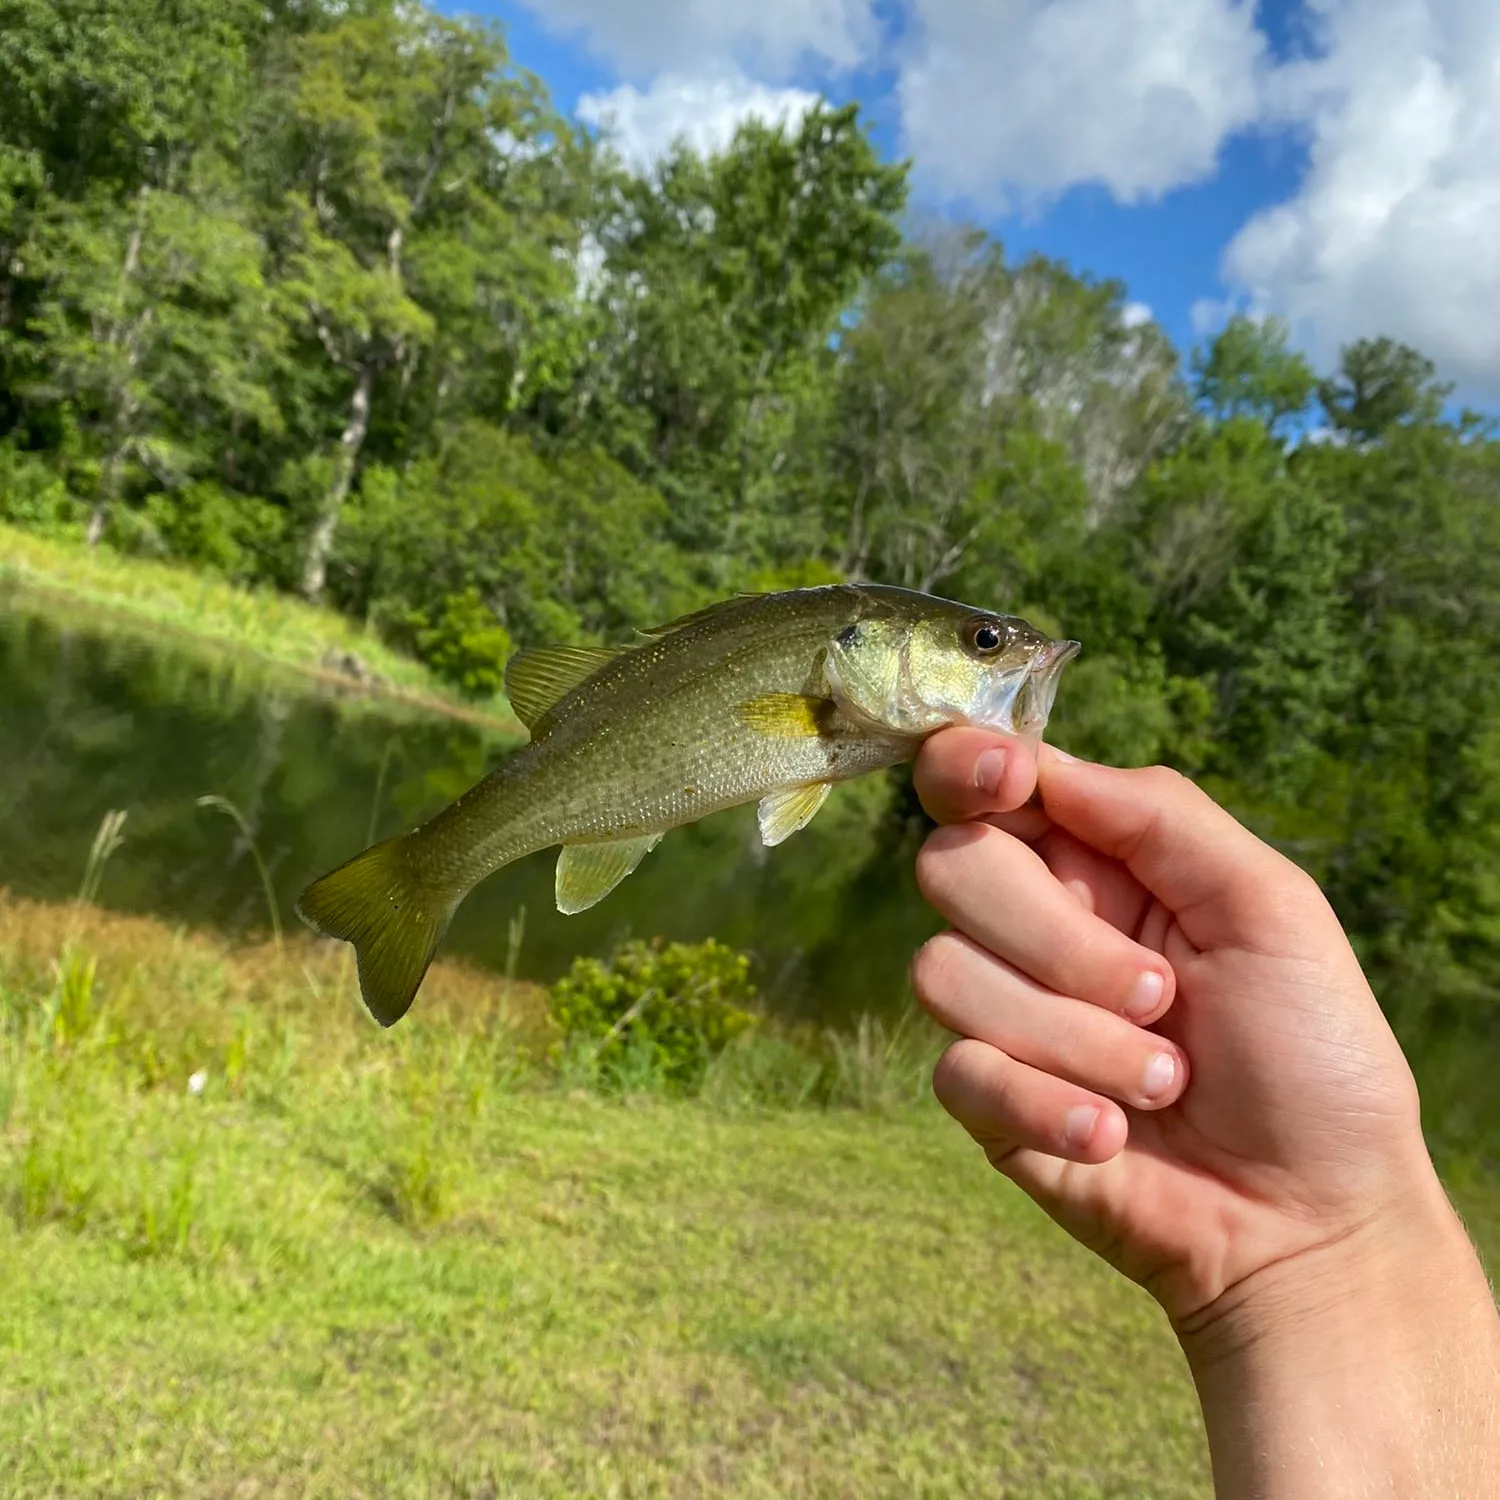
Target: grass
column 252, row 1245
column 164, row 596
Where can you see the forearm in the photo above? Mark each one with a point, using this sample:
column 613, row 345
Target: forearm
column 1363, row 1370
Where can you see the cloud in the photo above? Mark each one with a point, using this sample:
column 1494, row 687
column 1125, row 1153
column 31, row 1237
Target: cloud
column 644, row 123
column 1028, row 98
column 1395, row 227
column 1134, row 314
column 641, row 38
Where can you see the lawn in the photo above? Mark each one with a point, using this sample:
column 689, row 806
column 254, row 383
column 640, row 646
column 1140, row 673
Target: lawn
column 251, row 1245
column 195, row 606
column 417, row 1264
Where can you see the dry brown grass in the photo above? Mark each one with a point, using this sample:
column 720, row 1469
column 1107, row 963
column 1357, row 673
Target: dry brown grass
column 164, row 981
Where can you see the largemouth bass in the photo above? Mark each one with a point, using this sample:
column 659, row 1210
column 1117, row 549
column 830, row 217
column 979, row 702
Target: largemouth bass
column 767, row 698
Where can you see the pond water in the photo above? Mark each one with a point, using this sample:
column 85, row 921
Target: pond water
column 92, row 720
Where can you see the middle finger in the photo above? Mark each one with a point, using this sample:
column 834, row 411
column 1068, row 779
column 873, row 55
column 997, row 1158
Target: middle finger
column 1001, row 893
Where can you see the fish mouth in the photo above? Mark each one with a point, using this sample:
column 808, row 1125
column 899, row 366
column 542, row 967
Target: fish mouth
column 1040, row 689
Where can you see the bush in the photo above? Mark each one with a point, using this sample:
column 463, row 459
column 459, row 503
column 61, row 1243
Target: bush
column 32, row 494
column 654, row 1015
column 464, row 643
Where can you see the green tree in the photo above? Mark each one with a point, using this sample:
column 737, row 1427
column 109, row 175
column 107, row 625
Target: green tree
column 397, row 161
column 1248, row 370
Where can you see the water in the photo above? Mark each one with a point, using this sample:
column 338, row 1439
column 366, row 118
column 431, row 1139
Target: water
column 91, row 720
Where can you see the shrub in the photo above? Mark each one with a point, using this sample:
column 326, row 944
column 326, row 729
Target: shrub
column 654, row 1014
column 32, row 494
column 463, row 643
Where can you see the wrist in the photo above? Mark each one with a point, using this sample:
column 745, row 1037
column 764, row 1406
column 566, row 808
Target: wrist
column 1367, row 1365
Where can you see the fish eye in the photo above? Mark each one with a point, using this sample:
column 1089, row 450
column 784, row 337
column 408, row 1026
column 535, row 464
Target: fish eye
column 986, row 637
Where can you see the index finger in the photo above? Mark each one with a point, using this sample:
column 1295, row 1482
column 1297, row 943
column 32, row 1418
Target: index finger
column 1224, row 885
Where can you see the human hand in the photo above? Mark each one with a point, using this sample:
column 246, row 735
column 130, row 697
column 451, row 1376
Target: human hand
column 1167, row 1040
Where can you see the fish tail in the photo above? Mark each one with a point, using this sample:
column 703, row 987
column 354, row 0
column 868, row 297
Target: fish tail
column 379, row 902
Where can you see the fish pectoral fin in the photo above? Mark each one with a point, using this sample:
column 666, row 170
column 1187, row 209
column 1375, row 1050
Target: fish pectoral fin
column 538, row 680
column 783, row 813
column 787, row 716
column 587, row 873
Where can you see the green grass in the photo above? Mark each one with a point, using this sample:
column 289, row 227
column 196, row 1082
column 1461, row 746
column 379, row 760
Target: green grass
column 416, row 1263
column 170, row 597
column 252, row 1245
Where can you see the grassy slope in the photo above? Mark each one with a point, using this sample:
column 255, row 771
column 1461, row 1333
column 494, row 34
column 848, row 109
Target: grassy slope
column 368, row 1263
column 274, row 626
column 411, row 1263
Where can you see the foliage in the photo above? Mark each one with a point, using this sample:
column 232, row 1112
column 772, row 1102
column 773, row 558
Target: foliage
column 656, row 1013
column 465, row 644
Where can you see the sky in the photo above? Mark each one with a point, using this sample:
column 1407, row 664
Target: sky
column 1332, row 162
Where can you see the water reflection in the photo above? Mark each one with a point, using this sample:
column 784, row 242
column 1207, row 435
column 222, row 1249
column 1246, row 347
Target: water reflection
column 91, row 721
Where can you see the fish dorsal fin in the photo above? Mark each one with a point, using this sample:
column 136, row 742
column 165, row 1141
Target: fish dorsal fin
column 784, row 812
column 587, row 873
column 651, row 632
column 536, row 680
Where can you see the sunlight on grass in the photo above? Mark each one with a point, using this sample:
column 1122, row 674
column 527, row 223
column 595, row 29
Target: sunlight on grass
column 252, row 1242
column 276, row 626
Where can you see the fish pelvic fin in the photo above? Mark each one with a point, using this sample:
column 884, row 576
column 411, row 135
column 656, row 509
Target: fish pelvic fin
column 788, row 811
column 587, row 873
column 378, row 902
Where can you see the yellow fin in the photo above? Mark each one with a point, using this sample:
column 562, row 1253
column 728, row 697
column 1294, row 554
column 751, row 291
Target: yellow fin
column 587, row 873
column 377, row 902
column 792, row 808
column 786, row 716
column 536, row 680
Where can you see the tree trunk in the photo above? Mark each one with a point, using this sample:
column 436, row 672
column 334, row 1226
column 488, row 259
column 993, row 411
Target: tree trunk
column 320, row 543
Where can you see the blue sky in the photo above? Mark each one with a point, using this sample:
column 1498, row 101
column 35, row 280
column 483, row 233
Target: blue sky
column 1334, row 162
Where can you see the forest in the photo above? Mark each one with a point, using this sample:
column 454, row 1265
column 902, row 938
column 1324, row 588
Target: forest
column 329, row 298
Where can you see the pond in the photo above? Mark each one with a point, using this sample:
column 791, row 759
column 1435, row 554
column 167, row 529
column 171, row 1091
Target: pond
column 93, row 720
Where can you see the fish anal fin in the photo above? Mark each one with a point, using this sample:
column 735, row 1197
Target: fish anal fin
column 378, row 902
column 787, row 716
column 536, row 680
column 784, row 812
column 587, row 873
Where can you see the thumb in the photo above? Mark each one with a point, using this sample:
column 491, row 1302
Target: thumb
column 1225, row 886
column 966, row 773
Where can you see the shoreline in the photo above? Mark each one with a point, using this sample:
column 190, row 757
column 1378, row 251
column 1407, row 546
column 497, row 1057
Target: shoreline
column 351, row 662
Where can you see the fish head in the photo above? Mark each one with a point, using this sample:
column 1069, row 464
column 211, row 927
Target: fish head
column 911, row 672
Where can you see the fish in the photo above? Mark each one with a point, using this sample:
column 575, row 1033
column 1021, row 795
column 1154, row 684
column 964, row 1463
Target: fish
column 767, row 698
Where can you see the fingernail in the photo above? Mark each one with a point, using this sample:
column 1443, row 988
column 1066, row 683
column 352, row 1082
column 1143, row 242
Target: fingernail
column 1160, row 1074
column 1145, row 996
column 1063, row 755
column 1078, row 1128
column 989, row 772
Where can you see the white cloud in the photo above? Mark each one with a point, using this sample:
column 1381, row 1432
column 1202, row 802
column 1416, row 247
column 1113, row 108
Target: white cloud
column 1027, row 98
column 643, row 123
column 1395, row 228
column 643, row 37
column 1134, row 314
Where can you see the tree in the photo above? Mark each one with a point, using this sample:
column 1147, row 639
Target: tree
column 722, row 282
column 1249, row 371
column 395, row 147
column 1380, row 385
